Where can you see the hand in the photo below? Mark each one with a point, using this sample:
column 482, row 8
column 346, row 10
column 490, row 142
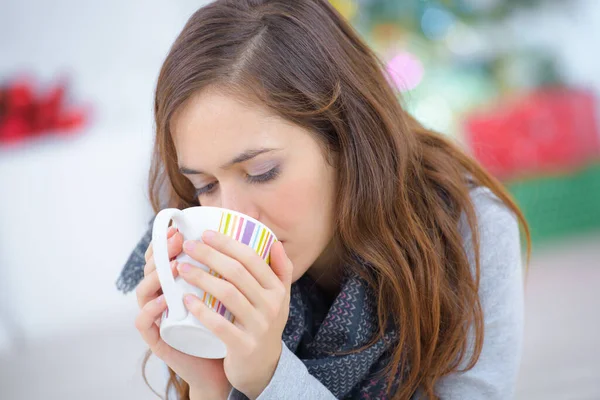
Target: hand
column 258, row 295
column 205, row 376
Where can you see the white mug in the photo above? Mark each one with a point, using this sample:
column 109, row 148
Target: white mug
column 178, row 327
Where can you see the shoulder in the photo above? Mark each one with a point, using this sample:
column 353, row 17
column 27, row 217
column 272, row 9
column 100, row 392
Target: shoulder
column 501, row 295
column 492, row 214
column 497, row 227
column 499, row 243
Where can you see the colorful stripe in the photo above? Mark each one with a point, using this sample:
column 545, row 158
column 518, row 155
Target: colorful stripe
column 248, row 232
column 221, row 223
column 239, row 231
column 227, row 220
column 267, row 247
column 254, row 237
column 261, row 240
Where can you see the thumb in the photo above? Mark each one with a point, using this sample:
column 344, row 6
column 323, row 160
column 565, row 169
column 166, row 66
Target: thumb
column 281, row 264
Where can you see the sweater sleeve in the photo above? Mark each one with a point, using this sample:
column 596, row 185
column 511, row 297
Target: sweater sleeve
column 291, row 380
column 494, row 375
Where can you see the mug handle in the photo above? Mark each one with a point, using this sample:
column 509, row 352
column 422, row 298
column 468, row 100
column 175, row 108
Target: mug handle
column 173, row 294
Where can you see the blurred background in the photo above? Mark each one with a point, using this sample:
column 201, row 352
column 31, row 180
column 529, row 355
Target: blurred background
column 516, row 82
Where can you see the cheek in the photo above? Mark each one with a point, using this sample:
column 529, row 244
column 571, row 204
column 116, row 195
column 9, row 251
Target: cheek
column 298, row 202
column 301, row 209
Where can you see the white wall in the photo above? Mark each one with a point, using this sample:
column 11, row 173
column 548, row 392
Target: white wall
column 570, row 29
column 72, row 209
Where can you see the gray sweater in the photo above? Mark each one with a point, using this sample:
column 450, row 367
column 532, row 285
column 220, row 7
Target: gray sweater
column 501, row 292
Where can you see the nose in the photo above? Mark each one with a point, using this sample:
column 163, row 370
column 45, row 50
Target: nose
column 235, row 198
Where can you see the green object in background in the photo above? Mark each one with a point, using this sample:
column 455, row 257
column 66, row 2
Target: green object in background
column 558, row 206
column 460, row 74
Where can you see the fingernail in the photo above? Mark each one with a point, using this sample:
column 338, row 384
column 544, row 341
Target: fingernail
column 189, row 299
column 208, row 235
column 171, row 231
column 184, row 267
column 189, row 245
column 174, row 264
column 160, row 299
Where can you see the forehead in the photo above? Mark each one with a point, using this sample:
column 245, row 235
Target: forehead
column 219, row 126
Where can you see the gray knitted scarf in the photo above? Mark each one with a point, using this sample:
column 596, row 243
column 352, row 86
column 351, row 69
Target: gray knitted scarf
column 317, row 329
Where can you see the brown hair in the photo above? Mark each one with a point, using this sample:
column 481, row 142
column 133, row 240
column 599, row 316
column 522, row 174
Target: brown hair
column 402, row 188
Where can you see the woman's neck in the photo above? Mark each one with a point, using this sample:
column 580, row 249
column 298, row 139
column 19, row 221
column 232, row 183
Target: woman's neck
column 327, row 268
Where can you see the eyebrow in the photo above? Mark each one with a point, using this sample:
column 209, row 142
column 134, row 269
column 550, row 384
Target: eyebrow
column 245, row 156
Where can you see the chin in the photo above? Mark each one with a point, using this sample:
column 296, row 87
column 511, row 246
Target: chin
column 299, row 271
column 300, row 266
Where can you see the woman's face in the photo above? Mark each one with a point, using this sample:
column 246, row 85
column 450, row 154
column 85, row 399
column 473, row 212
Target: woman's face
column 246, row 159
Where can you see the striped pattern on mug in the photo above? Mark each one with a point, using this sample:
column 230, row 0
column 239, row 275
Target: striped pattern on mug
column 248, row 232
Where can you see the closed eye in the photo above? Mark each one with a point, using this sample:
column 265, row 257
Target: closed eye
column 262, row 178
column 205, row 189
column 267, row 176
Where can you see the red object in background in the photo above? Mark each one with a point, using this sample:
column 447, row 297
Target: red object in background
column 550, row 130
column 24, row 115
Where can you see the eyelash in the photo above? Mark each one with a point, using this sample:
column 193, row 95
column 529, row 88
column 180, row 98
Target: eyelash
column 263, row 178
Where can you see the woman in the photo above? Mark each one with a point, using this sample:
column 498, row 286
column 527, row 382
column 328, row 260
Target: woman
column 398, row 274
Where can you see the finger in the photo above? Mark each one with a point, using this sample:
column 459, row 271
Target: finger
column 224, row 291
column 150, row 331
column 149, row 288
column 149, row 267
column 229, row 333
column 252, row 262
column 144, row 322
column 232, row 270
column 281, row 265
column 174, row 248
column 149, row 252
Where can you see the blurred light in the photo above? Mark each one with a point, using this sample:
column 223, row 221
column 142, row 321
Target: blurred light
column 436, row 22
column 464, row 41
column 406, row 71
column 347, row 8
column 386, row 34
column 435, row 113
column 480, row 5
